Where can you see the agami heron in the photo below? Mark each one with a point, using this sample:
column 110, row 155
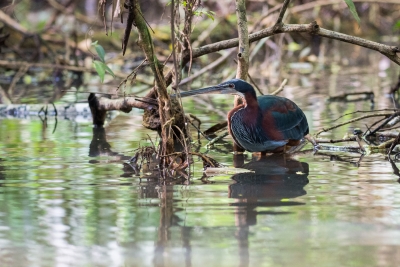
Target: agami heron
column 266, row 123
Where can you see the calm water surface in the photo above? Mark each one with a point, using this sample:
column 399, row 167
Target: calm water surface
column 64, row 204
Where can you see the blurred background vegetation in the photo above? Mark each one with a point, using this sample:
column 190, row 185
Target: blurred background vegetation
column 56, row 33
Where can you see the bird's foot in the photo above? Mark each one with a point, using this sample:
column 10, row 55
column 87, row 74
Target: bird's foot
column 312, row 140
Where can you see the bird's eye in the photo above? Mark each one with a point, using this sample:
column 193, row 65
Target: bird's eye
column 231, row 85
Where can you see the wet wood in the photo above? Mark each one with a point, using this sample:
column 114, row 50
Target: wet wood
column 98, row 115
column 345, row 96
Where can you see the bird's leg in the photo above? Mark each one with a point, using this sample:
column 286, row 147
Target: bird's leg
column 238, row 160
column 293, row 149
column 237, row 149
column 312, row 140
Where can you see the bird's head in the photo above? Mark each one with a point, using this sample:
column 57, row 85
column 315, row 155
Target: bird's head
column 233, row 86
column 237, row 87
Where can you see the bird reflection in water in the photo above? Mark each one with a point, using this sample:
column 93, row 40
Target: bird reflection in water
column 275, row 178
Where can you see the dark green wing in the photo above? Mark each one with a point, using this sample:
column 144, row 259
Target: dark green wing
column 282, row 118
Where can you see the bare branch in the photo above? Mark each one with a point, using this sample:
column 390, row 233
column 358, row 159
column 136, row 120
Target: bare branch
column 12, row 23
column 389, row 51
column 312, row 28
column 277, row 91
column 243, row 54
column 124, row 104
column 282, row 12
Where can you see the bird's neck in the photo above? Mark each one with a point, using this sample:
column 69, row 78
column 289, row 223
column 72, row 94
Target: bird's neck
column 250, row 101
column 249, row 110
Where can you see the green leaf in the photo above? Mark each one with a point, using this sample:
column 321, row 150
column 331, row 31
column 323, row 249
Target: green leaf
column 94, row 43
column 397, row 25
column 353, row 10
column 293, row 46
column 41, row 25
column 101, row 70
column 100, row 51
column 109, row 70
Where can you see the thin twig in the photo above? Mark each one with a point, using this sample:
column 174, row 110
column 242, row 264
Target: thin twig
column 281, row 87
column 365, row 111
column 133, row 73
column 383, row 123
column 255, row 84
column 209, row 67
column 343, row 96
column 216, row 139
column 332, row 141
column 353, row 120
column 282, row 12
column 215, row 128
column 395, row 142
column 252, row 81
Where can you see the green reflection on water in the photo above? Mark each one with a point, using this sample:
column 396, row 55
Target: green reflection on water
column 83, row 211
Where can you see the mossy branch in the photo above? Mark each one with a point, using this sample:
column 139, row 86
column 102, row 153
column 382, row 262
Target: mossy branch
column 164, row 103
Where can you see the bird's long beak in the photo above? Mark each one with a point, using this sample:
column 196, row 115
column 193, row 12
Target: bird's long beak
column 217, row 89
